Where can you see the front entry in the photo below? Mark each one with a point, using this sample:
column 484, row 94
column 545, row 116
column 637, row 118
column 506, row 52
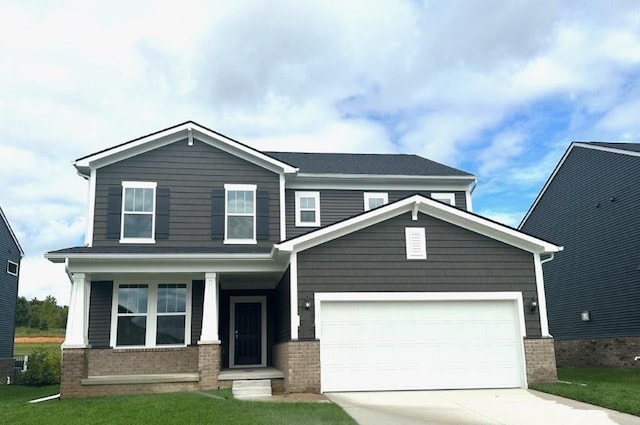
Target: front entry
column 247, row 339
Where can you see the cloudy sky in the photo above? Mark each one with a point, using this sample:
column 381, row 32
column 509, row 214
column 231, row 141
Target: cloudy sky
column 495, row 88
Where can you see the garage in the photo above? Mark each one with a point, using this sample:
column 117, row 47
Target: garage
column 412, row 341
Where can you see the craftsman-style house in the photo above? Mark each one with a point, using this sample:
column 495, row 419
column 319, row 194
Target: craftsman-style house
column 207, row 262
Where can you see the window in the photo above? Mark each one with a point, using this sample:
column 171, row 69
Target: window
column 12, row 268
column 308, row 209
column 151, row 315
column 138, row 212
column 447, row 198
column 416, row 243
column 374, row 200
column 240, row 213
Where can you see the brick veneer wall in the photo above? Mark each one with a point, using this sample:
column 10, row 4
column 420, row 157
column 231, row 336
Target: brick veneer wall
column 540, row 360
column 142, row 361
column 7, row 370
column 300, row 362
column 598, row 352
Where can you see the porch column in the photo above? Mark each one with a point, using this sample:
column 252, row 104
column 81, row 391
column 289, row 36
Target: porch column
column 209, row 333
column 78, row 318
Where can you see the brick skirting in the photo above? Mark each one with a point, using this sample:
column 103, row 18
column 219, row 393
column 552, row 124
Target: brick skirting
column 300, row 362
column 619, row 351
column 540, row 360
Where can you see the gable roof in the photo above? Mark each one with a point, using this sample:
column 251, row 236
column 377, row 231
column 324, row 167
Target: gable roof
column 13, row 235
column 186, row 130
column 420, row 204
column 629, row 149
column 354, row 163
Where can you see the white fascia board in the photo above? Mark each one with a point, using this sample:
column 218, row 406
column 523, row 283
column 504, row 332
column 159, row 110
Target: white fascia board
column 605, row 149
column 377, row 182
column 13, row 235
column 173, row 135
column 427, row 206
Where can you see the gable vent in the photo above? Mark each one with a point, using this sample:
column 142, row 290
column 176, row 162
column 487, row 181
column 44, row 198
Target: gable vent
column 416, row 242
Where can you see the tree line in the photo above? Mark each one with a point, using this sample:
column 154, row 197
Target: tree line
column 41, row 314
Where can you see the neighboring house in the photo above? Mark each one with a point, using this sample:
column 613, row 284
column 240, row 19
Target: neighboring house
column 10, row 255
column 208, row 261
column 591, row 205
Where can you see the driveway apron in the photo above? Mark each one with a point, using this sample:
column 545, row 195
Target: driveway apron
column 474, row 407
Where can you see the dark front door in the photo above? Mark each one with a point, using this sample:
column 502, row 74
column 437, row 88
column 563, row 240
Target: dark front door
column 248, row 334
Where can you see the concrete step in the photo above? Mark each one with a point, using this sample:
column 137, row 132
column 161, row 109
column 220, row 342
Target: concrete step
column 246, row 389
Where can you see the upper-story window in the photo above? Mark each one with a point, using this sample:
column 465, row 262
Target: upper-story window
column 448, row 198
column 240, row 213
column 12, row 268
column 375, row 199
column 138, row 212
column 308, row 209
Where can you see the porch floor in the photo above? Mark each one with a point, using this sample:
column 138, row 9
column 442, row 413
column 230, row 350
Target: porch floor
column 250, row 373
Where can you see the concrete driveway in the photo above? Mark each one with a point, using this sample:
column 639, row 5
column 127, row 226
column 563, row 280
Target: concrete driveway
column 474, row 407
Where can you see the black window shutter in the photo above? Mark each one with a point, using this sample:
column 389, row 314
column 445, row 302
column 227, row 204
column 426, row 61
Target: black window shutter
column 114, row 210
column 217, row 214
column 162, row 213
column 262, row 215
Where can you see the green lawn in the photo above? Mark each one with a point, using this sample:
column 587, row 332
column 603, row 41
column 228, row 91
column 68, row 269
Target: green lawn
column 20, row 348
column 617, row 388
column 207, row 407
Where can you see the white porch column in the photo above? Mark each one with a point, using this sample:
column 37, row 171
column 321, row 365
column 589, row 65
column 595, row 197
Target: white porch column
column 78, row 319
column 209, row 333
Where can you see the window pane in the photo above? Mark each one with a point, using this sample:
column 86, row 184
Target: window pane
column 308, row 216
column 131, row 330
column 132, row 299
column 172, row 298
column 308, row 203
column 170, row 330
column 240, row 202
column 137, row 225
column 240, row 227
column 375, row 202
column 128, row 199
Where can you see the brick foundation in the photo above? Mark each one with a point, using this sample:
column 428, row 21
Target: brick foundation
column 7, row 370
column 540, row 360
column 300, row 362
column 81, row 363
column 619, row 351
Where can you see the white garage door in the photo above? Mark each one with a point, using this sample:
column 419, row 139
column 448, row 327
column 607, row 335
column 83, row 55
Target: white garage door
column 404, row 345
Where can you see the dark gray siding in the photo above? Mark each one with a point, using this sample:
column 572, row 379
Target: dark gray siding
column 197, row 305
column 282, row 305
column 592, row 208
column 336, row 205
column 374, row 260
column 190, row 173
column 100, row 304
column 8, row 291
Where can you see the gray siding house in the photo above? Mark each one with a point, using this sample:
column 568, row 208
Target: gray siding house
column 10, row 255
column 207, row 263
column 590, row 204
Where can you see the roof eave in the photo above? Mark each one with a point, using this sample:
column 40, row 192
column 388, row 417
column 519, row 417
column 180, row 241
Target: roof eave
column 13, row 235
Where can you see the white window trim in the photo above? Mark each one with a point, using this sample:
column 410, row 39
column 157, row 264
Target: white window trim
column 316, row 196
column 262, row 299
column 138, row 185
column 410, row 233
column 444, row 197
column 9, row 262
column 375, row 195
column 152, row 315
column 240, row 187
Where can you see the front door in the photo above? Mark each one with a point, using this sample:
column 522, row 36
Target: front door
column 247, row 334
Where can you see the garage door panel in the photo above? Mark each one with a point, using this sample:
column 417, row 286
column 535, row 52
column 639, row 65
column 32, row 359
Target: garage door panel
column 395, row 345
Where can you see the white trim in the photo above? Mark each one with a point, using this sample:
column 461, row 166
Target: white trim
column 298, row 210
column 13, row 235
column 138, row 185
column 283, row 208
column 375, row 195
column 237, row 188
column 542, row 298
column 516, row 297
column 262, row 299
column 17, row 266
column 210, row 310
column 467, row 195
column 427, row 206
column 293, row 296
column 88, row 236
column 415, row 243
column 151, row 314
column 449, row 198
column 77, row 324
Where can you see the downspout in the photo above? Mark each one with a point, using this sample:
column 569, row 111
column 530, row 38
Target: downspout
column 550, row 258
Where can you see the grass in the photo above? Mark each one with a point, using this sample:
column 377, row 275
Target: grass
column 616, row 388
column 206, row 407
column 20, row 348
column 22, row 331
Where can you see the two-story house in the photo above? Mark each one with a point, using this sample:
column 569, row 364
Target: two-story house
column 591, row 205
column 10, row 255
column 207, row 261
